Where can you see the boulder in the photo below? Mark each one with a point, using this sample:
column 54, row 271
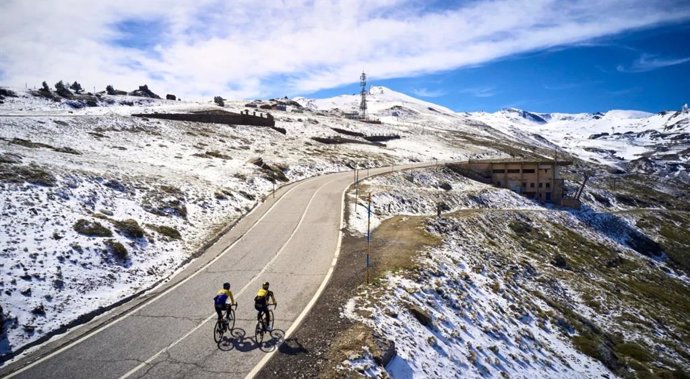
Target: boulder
column 385, row 350
column 422, row 316
column 144, row 91
column 559, row 261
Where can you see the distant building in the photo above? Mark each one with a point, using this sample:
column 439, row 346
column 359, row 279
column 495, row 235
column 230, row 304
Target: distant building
column 537, row 179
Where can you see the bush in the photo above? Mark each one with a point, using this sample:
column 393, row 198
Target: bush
column 30, row 174
column 633, row 350
column 218, row 154
column 92, row 229
column 219, row 101
column 130, row 228
column 117, row 249
column 166, row 231
column 520, row 227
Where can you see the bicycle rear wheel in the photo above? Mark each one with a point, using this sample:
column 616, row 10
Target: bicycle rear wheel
column 218, row 331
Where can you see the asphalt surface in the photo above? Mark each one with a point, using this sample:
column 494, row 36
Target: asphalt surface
column 290, row 240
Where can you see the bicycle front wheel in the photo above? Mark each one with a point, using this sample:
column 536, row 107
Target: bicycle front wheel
column 231, row 319
column 259, row 333
column 218, row 331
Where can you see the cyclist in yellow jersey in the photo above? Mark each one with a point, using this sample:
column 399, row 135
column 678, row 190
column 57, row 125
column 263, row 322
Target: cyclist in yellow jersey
column 220, row 301
column 261, row 303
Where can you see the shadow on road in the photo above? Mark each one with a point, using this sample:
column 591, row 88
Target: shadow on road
column 237, row 340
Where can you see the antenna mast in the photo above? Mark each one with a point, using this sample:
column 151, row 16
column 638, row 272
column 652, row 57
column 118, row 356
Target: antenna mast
column 363, row 103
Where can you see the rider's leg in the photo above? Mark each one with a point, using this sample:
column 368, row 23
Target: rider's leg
column 227, row 312
column 268, row 318
column 219, row 311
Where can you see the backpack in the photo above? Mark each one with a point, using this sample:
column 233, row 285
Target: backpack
column 260, row 299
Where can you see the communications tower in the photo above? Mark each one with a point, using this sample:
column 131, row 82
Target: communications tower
column 363, row 103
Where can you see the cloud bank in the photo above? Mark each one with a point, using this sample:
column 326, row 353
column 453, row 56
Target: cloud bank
column 240, row 49
column 650, row 62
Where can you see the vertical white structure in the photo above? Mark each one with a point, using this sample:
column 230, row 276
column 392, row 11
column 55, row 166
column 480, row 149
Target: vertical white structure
column 363, row 103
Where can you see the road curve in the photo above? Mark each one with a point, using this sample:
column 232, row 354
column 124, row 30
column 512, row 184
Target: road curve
column 291, row 240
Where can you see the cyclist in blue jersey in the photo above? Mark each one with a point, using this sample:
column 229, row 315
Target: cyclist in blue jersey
column 220, row 301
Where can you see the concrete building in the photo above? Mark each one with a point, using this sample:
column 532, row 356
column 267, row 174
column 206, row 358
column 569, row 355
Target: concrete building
column 537, row 179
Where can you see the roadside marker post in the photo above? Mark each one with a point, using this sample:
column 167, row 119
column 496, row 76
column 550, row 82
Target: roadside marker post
column 356, row 197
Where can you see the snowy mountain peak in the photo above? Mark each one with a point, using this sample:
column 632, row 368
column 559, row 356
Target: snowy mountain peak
column 626, row 114
column 379, row 90
column 529, row 116
column 379, row 99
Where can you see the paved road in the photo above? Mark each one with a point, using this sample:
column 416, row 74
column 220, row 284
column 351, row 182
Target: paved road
column 291, row 241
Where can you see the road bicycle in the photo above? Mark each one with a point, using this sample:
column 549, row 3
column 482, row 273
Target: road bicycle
column 262, row 325
column 225, row 324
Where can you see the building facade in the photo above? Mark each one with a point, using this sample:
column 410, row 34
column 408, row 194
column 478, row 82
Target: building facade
column 535, row 179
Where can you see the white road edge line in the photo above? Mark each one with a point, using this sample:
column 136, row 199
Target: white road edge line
column 252, row 280
column 152, row 300
column 316, row 296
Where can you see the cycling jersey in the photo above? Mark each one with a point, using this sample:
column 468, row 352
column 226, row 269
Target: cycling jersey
column 222, row 297
column 262, row 296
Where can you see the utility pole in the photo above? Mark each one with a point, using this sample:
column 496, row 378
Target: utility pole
column 368, row 235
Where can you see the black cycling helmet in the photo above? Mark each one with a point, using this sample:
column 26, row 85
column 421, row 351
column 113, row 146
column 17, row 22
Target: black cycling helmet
column 265, row 285
column 226, row 285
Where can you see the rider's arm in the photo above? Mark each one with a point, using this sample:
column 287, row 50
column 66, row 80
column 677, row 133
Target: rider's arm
column 273, row 298
column 232, row 298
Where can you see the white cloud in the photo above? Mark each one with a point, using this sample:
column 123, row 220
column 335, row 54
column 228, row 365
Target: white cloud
column 425, row 92
column 239, row 49
column 650, row 62
column 479, row 91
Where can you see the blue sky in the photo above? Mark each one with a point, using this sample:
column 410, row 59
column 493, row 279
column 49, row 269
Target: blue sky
column 540, row 55
column 645, row 70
